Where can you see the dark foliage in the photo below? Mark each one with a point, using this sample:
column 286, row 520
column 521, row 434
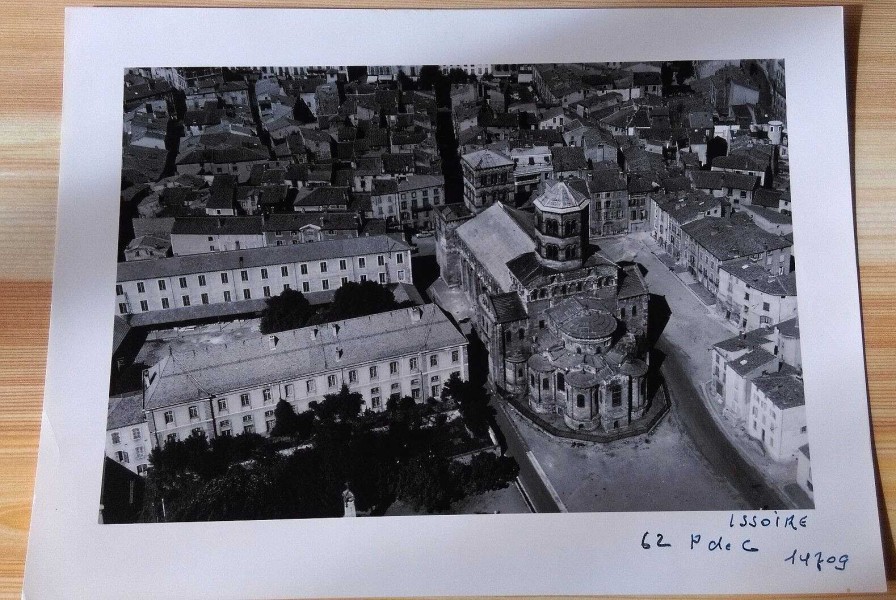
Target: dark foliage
column 289, row 310
column 356, row 299
column 472, row 401
column 343, row 406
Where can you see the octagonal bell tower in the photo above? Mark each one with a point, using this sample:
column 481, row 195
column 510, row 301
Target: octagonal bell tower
column 561, row 226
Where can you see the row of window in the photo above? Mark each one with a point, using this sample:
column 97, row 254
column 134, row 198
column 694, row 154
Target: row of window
column 122, row 456
column 186, row 301
column 310, row 387
column 136, row 435
column 244, row 275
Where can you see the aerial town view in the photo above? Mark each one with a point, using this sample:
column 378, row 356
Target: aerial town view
column 350, row 291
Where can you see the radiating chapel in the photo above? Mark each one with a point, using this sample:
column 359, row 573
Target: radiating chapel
column 564, row 326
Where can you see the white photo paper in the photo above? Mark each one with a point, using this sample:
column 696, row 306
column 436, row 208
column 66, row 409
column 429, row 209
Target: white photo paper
column 421, row 303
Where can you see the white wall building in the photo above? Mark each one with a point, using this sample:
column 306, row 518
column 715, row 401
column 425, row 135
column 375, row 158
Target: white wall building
column 127, row 434
column 232, row 388
column 752, row 297
column 237, row 275
column 778, row 413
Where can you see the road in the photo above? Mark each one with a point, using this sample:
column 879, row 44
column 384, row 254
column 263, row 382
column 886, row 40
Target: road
column 705, row 433
column 685, row 341
column 531, row 482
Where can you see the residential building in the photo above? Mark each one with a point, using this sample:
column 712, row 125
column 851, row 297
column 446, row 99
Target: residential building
column 418, row 196
column 711, row 242
column 671, row 211
column 610, row 204
column 738, row 361
column 282, row 229
column 488, row 178
column 198, row 235
column 778, row 413
column 127, row 435
column 752, row 297
column 532, row 166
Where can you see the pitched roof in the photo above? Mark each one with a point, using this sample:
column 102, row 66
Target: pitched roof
column 751, row 361
column 323, row 196
column 707, row 180
column 758, row 278
column 769, row 198
column 217, row 226
column 486, row 159
column 607, row 180
column 296, row 221
column 398, row 163
column 495, row 237
column 125, row 410
column 415, row 182
column 784, row 388
column 257, row 257
column 741, row 162
column 747, row 340
column 226, row 367
column 728, row 238
column 508, row 307
column 568, row 158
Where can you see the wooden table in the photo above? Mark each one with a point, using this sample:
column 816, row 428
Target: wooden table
column 30, row 103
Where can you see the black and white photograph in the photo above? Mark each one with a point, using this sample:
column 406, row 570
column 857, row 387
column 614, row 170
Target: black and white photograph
column 352, row 291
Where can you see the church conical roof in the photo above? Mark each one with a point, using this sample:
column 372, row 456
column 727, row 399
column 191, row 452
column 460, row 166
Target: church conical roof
column 560, row 197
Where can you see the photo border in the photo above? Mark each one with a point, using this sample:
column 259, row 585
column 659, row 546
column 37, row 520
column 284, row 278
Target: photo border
column 70, row 554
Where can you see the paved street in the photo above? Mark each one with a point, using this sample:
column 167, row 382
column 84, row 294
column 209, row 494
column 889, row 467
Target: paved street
column 691, row 330
column 532, row 483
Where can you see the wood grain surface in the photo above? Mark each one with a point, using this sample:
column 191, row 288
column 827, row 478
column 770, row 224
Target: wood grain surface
column 31, row 61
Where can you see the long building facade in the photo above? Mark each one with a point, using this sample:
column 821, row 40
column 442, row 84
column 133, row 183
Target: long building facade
column 233, row 388
column 240, row 275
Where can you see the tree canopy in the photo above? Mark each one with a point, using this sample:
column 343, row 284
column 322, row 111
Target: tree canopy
column 289, row 310
column 356, row 299
column 472, row 402
column 342, row 406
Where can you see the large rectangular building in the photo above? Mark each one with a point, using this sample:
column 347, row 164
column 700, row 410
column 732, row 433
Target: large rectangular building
column 240, row 275
column 233, row 387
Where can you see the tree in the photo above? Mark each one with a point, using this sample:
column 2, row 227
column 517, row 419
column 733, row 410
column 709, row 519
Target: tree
column 286, row 420
column 424, row 482
column 343, row 406
column 666, row 77
column 684, row 70
column 355, row 299
column 429, row 76
column 486, row 472
column 289, row 310
column 472, row 402
column 457, row 76
column 356, row 73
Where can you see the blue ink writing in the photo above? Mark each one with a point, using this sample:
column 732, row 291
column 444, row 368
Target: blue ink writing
column 819, row 560
column 774, row 521
column 659, row 541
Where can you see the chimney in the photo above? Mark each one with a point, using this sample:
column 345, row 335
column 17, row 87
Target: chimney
column 338, row 353
column 314, row 333
column 416, row 313
column 336, row 329
column 272, row 341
